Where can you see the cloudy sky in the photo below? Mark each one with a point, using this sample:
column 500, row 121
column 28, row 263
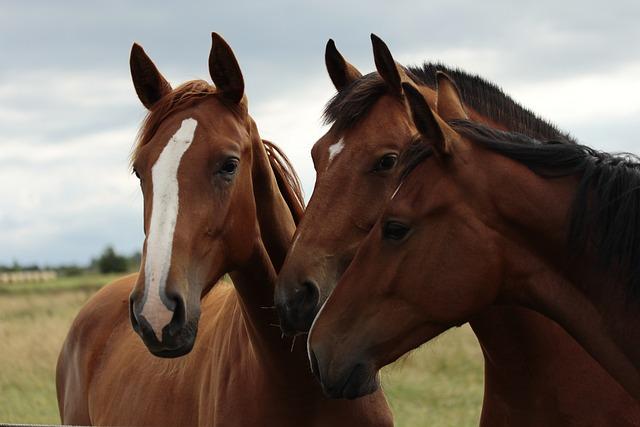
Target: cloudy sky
column 69, row 114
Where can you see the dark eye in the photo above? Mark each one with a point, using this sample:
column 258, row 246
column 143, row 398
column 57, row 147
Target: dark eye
column 229, row 167
column 135, row 172
column 386, row 162
column 394, row 230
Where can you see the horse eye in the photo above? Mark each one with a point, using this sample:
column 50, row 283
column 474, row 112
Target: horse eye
column 394, row 230
column 386, row 162
column 229, row 167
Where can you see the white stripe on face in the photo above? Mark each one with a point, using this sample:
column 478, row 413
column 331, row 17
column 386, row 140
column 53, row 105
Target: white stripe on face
column 335, row 149
column 164, row 214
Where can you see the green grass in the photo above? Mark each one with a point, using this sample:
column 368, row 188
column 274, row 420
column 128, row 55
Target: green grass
column 34, row 319
column 88, row 282
column 439, row 384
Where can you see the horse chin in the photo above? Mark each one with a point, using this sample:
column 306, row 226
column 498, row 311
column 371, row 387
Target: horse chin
column 171, row 353
column 174, row 343
column 360, row 381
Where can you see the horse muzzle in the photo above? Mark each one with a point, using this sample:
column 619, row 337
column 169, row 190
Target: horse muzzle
column 177, row 337
column 349, row 380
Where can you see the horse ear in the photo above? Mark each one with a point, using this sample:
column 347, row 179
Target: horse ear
column 390, row 72
column 340, row 71
column 437, row 132
column 449, row 102
column 147, row 80
column 224, row 70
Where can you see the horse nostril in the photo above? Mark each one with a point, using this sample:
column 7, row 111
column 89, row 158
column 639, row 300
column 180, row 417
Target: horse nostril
column 306, row 297
column 179, row 318
column 297, row 309
column 133, row 316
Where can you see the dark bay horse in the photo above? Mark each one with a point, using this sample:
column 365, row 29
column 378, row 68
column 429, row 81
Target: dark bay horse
column 217, row 199
column 488, row 217
column 535, row 373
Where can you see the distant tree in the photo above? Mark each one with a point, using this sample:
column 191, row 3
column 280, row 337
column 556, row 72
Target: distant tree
column 15, row 266
column 134, row 261
column 68, row 270
column 111, row 262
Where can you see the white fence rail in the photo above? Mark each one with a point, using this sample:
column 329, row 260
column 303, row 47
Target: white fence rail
column 27, row 276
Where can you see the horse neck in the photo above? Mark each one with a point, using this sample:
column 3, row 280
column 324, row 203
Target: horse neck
column 541, row 273
column 274, row 215
column 255, row 281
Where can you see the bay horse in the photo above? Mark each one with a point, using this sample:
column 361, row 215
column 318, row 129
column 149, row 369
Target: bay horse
column 535, row 373
column 488, row 217
column 217, row 199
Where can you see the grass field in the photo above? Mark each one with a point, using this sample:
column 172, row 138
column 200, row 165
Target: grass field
column 437, row 385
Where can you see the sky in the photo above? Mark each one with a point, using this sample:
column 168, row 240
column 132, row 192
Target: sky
column 69, row 113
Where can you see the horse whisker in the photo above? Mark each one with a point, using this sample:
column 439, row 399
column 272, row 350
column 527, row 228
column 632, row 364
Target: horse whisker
column 275, row 325
column 272, row 307
column 293, row 343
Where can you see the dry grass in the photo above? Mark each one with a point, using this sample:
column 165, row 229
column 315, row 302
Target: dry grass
column 437, row 385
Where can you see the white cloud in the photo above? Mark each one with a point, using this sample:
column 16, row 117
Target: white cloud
column 55, row 190
column 591, row 96
column 292, row 120
column 63, row 164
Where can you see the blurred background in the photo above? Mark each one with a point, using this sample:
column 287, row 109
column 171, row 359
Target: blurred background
column 70, row 208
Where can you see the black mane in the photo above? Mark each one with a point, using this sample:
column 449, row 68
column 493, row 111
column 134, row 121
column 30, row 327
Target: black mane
column 352, row 103
column 605, row 214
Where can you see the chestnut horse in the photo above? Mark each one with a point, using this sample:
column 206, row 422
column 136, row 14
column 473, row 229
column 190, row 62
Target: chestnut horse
column 217, row 199
column 489, row 217
column 535, row 373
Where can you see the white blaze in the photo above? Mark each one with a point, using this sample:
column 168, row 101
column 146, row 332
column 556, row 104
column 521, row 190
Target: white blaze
column 164, row 214
column 335, row 149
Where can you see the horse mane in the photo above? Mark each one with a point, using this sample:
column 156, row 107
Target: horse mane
column 352, row 103
column 194, row 91
column 287, row 179
column 605, row 212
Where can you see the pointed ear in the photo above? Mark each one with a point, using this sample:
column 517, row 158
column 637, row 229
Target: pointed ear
column 224, row 70
column 340, row 71
column 147, row 80
column 436, row 131
column 449, row 102
column 387, row 67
